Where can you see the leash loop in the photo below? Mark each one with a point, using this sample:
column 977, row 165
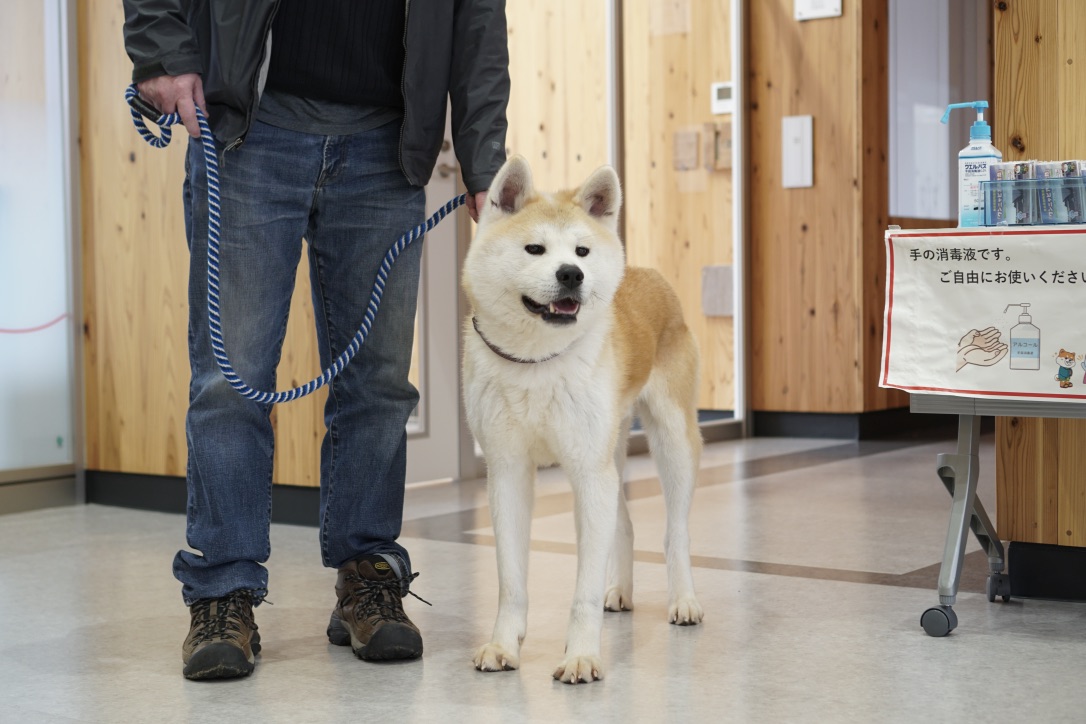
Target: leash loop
column 141, row 108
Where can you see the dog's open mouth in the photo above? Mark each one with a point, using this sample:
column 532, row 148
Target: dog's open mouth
column 560, row 311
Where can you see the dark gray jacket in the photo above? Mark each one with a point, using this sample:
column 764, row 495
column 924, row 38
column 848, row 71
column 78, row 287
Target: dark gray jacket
column 454, row 49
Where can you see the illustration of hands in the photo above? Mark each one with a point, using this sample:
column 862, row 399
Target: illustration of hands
column 981, row 348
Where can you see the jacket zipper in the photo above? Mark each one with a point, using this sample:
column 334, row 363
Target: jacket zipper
column 403, row 89
column 256, row 81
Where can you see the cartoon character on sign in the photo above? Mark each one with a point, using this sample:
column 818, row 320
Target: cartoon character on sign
column 1066, row 362
column 980, row 347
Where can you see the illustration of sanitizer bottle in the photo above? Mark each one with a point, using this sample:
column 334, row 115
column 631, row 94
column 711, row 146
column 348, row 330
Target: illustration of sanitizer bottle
column 1025, row 341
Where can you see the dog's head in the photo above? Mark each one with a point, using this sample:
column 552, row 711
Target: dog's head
column 543, row 267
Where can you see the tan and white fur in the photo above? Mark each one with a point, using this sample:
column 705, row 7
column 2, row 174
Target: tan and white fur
column 564, row 344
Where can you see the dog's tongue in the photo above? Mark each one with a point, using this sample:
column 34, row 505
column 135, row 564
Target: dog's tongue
column 566, row 306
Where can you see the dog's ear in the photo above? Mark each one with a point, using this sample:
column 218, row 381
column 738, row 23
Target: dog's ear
column 601, row 196
column 510, row 190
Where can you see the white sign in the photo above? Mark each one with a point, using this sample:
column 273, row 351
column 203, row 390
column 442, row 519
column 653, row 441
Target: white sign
column 987, row 313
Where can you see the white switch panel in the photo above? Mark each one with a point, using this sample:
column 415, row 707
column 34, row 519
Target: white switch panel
column 811, row 9
column 797, row 152
column 721, row 98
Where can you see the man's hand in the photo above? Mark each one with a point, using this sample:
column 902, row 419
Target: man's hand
column 476, row 203
column 176, row 94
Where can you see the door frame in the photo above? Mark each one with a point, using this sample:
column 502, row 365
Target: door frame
column 433, row 437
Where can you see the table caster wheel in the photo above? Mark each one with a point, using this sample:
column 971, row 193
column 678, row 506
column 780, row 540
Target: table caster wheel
column 939, row 620
column 998, row 584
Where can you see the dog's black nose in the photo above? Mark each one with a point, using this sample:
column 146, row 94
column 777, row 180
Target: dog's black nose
column 570, row 276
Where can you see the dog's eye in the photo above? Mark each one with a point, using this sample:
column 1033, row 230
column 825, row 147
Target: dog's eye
column 582, row 251
column 534, row 249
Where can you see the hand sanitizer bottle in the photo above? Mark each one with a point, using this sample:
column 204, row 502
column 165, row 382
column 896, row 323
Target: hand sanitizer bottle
column 973, row 162
column 1025, row 341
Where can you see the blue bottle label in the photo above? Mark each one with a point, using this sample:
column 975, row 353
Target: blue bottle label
column 1025, row 348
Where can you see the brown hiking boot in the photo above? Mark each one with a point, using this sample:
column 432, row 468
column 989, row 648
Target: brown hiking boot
column 223, row 641
column 369, row 616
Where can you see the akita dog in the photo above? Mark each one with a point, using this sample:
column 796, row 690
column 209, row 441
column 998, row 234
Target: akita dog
column 564, row 344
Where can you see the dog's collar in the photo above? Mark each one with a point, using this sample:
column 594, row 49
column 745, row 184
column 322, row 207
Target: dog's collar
column 505, row 355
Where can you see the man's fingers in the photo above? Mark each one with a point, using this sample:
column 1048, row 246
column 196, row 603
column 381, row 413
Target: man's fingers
column 176, row 94
column 187, row 109
column 198, row 93
column 476, row 204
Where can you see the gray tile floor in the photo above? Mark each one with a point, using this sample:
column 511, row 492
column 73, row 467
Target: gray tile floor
column 814, row 561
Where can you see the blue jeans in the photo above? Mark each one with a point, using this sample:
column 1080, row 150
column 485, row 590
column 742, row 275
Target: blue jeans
column 348, row 197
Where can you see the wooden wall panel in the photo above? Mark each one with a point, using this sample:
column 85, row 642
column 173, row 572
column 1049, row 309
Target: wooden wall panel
column 817, row 254
column 1027, row 451
column 873, row 212
column 679, row 221
column 1070, row 65
column 1040, row 61
column 558, row 105
column 136, row 364
column 1070, row 68
column 1026, row 102
column 135, row 286
column 1071, row 481
column 805, row 266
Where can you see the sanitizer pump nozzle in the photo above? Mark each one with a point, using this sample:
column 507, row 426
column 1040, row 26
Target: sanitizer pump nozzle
column 1025, row 341
column 980, row 130
column 973, row 162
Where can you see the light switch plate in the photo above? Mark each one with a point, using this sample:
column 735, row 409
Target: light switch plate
column 812, row 9
column 797, row 152
column 721, row 98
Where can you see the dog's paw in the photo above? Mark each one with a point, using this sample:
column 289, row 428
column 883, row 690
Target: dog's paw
column 685, row 612
column 579, row 670
column 494, row 657
column 618, row 599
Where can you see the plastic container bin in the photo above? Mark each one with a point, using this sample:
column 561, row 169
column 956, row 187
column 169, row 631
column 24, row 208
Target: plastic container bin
column 1022, row 202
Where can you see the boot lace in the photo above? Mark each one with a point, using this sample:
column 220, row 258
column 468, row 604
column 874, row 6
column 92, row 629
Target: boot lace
column 377, row 599
column 215, row 619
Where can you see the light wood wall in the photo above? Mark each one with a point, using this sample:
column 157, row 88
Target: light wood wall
column 679, row 221
column 1040, row 56
column 675, row 221
column 135, row 287
column 817, row 276
column 558, row 69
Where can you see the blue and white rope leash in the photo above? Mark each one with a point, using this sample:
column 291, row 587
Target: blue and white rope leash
column 139, row 107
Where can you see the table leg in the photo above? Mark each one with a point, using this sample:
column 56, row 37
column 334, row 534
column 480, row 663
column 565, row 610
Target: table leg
column 959, row 472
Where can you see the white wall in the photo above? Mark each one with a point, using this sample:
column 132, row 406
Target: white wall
column 36, row 368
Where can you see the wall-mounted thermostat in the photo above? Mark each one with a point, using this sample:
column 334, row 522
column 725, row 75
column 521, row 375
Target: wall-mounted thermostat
column 811, row 9
column 722, row 98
